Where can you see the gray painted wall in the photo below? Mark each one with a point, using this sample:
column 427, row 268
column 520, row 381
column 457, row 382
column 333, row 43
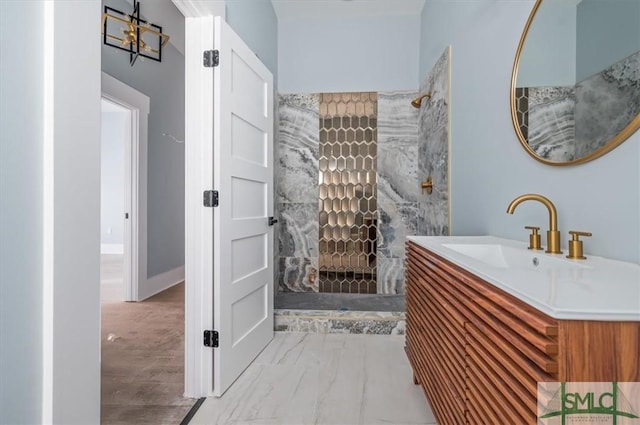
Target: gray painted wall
column 114, row 127
column 348, row 54
column 164, row 84
column 608, row 31
column 489, row 167
column 256, row 23
column 21, row 239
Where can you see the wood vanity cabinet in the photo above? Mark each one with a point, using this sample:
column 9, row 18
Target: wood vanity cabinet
column 479, row 352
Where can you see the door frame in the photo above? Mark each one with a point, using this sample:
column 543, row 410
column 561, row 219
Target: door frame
column 70, row 117
column 199, row 36
column 135, row 228
column 198, row 256
column 199, row 32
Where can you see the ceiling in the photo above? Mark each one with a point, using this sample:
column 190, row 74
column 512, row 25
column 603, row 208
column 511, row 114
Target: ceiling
column 309, row 9
column 164, row 12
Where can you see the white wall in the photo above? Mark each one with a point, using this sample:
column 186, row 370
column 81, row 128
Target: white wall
column 72, row 284
column 21, row 193
column 348, row 54
column 489, row 167
column 115, row 133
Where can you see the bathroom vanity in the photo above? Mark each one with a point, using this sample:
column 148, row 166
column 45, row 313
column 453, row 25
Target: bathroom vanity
column 488, row 319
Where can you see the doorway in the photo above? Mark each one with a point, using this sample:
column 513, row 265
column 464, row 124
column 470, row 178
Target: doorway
column 115, row 184
column 142, row 349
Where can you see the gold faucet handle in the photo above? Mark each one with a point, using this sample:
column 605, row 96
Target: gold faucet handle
column 576, row 234
column 575, row 245
column 534, row 237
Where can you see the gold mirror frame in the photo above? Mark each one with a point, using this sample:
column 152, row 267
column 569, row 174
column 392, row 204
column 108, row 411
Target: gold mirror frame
column 626, row 132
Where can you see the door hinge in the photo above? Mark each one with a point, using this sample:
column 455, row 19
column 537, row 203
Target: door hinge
column 211, row 339
column 211, row 198
column 210, row 58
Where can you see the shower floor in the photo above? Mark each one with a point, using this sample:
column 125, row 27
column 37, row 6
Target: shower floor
column 340, row 302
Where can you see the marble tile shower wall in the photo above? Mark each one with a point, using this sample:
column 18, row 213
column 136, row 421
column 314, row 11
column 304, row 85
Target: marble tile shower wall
column 433, row 149
column 412, row 144
column 398, row 187
column 296, row 176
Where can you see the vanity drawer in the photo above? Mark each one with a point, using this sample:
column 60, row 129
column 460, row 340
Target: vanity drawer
column 473, row 291
column 533, row 334
column 420, row 268
column 439, row 312
column 496, row 320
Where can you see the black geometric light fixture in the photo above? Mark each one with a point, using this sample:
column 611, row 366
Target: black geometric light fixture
column 134, row 35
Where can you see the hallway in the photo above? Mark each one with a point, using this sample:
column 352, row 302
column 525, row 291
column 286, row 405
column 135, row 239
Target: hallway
column 142, row 357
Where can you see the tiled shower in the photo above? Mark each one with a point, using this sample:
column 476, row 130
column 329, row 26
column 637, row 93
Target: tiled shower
column 348, row 174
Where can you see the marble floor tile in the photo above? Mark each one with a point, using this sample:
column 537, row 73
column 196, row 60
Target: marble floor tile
column 323, row 379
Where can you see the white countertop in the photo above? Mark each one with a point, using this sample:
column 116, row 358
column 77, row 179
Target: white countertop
column 593, row 289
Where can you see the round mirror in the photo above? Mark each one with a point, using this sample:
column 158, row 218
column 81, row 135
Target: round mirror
column 575, row 87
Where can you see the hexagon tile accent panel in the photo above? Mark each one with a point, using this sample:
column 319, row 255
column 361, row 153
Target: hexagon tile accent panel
column 522, row 110
column 348, row 210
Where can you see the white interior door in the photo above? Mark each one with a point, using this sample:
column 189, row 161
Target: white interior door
column 243, row 176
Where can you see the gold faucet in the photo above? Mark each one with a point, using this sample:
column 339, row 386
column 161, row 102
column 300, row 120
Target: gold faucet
column 553, row 235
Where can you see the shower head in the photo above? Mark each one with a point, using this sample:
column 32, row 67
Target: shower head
column 417, row 102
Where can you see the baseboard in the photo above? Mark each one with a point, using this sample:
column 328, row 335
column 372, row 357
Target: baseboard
column 112, row 248
column 161, row 282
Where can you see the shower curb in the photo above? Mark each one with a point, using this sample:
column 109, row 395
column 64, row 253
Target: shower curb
column 340, row 321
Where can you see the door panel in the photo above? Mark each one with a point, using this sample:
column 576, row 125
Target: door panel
column 249, row 142
column 248, row 197
column 249, row 256
column 249, row 312
column 243, row 175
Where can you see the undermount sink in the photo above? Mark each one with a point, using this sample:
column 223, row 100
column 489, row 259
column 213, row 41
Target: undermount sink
column 503, row 256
